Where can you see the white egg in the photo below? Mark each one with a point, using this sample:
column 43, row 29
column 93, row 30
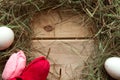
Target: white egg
column 6, row 37
column 112, row 66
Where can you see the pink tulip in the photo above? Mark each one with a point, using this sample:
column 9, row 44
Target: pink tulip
column 14, row 66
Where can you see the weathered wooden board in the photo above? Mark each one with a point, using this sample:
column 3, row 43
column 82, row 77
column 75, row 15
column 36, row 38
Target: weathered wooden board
column 66, row 34
column 67, row 55
column 61, row 24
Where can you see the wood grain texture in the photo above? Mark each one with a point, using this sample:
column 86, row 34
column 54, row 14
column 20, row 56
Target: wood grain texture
column 67, row 55
column 67, row 35
column 61, row 24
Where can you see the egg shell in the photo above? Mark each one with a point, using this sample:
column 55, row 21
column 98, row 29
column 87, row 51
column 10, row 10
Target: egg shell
column 6, row 37
column 112, row 66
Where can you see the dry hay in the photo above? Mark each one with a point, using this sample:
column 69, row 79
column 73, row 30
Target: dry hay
column 105, row 13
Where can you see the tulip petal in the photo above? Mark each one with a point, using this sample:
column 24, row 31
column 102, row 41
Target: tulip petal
column 14, row 66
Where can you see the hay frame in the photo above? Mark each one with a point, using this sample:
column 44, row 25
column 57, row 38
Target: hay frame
column 105, row 13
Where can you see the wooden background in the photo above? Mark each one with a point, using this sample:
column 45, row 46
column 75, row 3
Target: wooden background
column 66, row 36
